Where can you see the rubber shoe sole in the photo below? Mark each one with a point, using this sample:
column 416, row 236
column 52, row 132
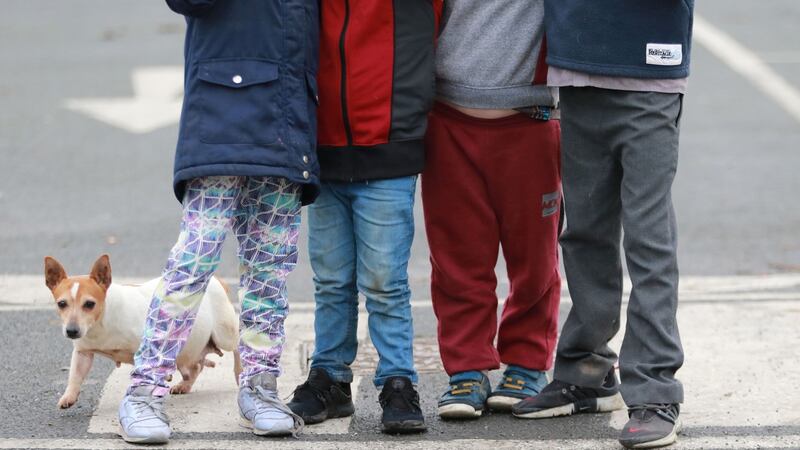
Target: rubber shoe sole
column 604, row 404
column 404, row 427
column 502, row 403
column 459, row 411
column 341, row 411
column 244, row 423
column 316, row 418
column 663, row 442
column 143, row 440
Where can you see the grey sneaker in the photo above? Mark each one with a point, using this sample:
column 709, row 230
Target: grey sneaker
column 563, row 399
column 263, row 412
column 141, row 417
column 651, row 426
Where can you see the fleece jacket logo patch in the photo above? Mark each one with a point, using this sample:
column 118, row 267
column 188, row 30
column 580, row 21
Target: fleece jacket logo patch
column 664, row 54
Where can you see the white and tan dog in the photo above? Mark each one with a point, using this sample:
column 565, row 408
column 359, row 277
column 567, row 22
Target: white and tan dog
column 108, row 319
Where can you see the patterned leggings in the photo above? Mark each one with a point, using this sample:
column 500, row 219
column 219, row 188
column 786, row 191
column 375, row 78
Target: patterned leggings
column 264, row 213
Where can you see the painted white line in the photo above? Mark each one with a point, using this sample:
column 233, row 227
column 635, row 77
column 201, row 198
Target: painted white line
column 685, row 300
column 211, row 406
column 28, row 292
column 736, row 283
column 16, row 308
column 157, row 101
column 745, row 297
column 749, row 65
column 684, row 443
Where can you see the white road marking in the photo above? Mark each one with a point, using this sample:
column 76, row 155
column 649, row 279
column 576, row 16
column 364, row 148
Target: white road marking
column 28, row 292
column 211, row 406
column 684, row 443
column 685, row 300
column 157, row 101
column 749, row 65
column 16, row 308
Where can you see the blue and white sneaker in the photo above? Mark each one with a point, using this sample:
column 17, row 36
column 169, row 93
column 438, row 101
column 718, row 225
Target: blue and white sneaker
column 467, row 396
column 141, row 417
column 263, row 412
column 517, row 383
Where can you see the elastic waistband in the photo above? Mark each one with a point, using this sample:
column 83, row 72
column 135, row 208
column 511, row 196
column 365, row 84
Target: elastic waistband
column 443, row 109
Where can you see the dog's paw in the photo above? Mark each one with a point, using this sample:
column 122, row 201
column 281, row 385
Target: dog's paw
column 67, row 400
column 180, row 388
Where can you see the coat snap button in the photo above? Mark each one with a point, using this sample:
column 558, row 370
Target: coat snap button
column 237, row 79
column 306, row 174
column 305, row 159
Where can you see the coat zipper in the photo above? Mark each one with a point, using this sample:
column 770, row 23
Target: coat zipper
column 345, row 116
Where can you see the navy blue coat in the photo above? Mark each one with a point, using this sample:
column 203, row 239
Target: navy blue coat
column 250, row 92
column 620, row 38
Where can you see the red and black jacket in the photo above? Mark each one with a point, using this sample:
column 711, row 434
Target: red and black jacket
column 376, row 86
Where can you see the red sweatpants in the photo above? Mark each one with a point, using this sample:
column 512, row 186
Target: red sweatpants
column 491, row 183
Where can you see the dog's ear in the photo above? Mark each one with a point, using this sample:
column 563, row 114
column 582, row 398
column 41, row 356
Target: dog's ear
column 54, row 272
column 101, row 272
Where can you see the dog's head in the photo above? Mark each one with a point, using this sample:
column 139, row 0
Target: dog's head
column 80, row 300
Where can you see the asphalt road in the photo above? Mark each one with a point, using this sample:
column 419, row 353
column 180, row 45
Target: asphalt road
column 75, row 187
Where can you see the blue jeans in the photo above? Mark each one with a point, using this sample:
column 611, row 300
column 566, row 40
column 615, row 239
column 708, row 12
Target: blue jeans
column 359, row 240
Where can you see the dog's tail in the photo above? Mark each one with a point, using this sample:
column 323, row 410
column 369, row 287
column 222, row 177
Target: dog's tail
column 232, row 298
column 226, row 321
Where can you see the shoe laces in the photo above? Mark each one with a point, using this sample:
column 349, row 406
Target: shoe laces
column 666, row 411
column 560, row 386
column 151, row 404
column 268, row 399
column 312, row 386
column 407, row 397
column 571, row 392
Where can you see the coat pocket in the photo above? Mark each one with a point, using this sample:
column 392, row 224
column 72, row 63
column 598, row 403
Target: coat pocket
column 239, row 102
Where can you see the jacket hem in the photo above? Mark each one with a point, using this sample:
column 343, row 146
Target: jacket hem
column 309, row 192
column 654, row 72
column 356, row 163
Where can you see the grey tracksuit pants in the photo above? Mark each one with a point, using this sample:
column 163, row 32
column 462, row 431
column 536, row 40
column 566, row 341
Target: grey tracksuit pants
column 619, row 157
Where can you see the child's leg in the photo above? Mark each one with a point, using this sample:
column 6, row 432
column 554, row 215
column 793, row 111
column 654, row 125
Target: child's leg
column 651, row 351
column 383, row 222
column 464, row 240
column 332, row 252
column 523, row 172
column 267, row 226
column 591, row 241
column 208, row 206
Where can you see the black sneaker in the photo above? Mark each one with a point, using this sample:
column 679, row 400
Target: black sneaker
column 400, row 403
column 563, row 399
column 651, row 426
column 320, row 398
